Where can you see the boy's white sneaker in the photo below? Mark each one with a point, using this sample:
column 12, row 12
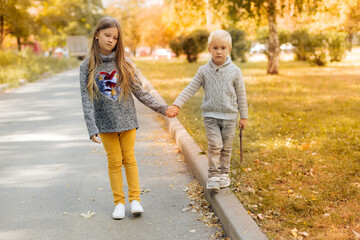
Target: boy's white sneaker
column 213, row 183
column 119, row 211
column 224, row 180
column 136, row 207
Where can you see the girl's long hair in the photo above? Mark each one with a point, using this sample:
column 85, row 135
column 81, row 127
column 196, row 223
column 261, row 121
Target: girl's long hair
column 125, row 69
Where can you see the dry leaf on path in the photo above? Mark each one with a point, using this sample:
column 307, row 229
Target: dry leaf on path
column 89, row 214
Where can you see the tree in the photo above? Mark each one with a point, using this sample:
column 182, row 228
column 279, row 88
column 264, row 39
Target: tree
column 128, row 13
column 271, row 9
column 15, row 20
column 156, row 29
column 55, row 24
column 240, row 45
column 191, row 44
column 352, row 22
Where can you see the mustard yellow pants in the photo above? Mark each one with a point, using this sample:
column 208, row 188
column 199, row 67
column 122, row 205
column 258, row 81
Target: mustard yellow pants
column 119, row 147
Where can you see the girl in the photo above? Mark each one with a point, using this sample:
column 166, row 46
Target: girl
column 107, row 82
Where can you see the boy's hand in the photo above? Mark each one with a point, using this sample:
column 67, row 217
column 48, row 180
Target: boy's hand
column 96, row 138
column 172, row 111
column 242, row 123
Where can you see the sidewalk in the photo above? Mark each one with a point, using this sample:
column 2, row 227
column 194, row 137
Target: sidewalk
column 50, row 172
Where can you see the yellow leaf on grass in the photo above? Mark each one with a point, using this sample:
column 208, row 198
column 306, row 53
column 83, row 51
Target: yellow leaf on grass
column 305, row 146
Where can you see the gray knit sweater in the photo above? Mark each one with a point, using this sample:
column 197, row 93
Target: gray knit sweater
column 224, row 89
column 107, row 114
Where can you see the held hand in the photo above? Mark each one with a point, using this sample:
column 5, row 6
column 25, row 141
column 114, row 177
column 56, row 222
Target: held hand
column 96, row 138
column 242, row 123
column 172, row 111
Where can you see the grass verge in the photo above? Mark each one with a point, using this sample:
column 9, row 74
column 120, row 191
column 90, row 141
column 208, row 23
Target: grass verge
column 15, row 66
column 301, row 174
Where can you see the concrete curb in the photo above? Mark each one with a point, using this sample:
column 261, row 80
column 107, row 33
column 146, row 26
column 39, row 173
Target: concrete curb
column 237, row 224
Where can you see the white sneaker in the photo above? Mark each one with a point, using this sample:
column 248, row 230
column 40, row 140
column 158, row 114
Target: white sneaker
column 213, row 184
column 136, row 208
column 119, row 211
column 224, row 180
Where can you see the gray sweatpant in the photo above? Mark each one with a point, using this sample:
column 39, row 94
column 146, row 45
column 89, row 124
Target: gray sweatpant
column 220, row 134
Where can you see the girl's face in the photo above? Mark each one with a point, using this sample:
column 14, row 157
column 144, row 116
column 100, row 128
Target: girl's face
column 107, row 39
column 219, row 50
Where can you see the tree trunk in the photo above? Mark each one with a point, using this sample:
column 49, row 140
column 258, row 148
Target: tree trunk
column 208, row 15
column 274, row 50
column 350, row 37
column 1, row 31
column 19, row 43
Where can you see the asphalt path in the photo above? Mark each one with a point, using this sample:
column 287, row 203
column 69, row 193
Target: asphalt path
column 50, row 172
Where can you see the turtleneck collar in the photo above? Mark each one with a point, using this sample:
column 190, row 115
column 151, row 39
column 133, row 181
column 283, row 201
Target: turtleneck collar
column 107, row 58
column 216, row 67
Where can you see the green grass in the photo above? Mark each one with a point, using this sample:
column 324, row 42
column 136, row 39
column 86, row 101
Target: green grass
column 15, row 66
column 301, row 145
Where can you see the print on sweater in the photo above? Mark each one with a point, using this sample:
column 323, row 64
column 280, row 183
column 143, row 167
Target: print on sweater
column 107, row 84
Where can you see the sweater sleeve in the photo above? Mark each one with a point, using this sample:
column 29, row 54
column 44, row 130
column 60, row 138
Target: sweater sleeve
column 241, row 96
column 88, row 106
column 190, row 89
column 147, row 99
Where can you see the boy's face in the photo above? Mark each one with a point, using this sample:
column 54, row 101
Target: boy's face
column 219, row 50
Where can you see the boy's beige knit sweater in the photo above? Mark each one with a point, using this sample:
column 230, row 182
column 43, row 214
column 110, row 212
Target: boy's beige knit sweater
column 224, row 89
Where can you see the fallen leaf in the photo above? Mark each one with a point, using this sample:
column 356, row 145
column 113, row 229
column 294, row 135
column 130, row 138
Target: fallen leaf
column 260, row 216
column 145, row 190
column 294, row 232
column 357, row 235
column 185, row 209
column 304, row 234
column 305, row 146
column 89, row 214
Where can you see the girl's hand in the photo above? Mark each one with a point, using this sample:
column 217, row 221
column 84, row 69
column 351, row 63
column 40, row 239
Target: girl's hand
column 242, row 123
column 96, row 138
column 172, row 111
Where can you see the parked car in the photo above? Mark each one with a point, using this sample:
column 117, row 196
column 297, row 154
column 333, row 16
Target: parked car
column 162, row 53
column 257, row 48
column 287, row 47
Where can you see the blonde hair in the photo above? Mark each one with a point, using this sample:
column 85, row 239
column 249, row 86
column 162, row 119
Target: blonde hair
column 217, row 34
column 125, row 69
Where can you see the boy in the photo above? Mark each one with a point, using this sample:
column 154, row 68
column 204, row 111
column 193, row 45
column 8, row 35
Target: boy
column 224, row 98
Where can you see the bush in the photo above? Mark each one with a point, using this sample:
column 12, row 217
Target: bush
column 320, row 47
column 318, row 52
column 191, row 45
column 240, row 46
column 194, row 44
column 301, row 40
column 337, row 46
column 176, row 45
column 17, row 65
